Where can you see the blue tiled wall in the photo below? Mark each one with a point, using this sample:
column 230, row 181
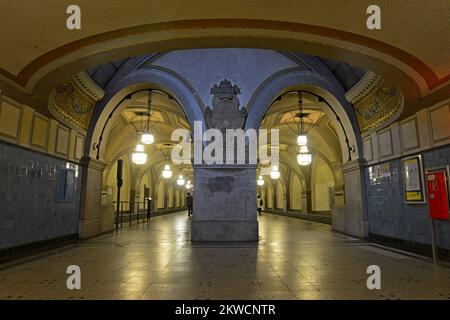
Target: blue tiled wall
column 390, row 217
column 29, row 211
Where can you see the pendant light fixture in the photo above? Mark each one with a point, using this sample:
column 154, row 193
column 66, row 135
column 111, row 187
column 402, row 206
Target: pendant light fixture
column 304, row 149
column 275, row 173
column 180, row 180
column 302, row 139
column 167, row 172
column 139, row 156
column 260, row 181
column 147, row 137
column 304, row 158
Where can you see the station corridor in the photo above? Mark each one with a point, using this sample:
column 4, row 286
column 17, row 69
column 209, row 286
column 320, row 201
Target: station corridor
column 294, row 259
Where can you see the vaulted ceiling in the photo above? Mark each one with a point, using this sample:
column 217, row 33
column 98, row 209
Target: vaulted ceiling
column 323, row 141
column 166, row 115
column 39, row 52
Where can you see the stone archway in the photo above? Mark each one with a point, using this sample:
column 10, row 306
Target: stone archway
column 317, row 84
column 352, row 217
column 135, row 81
column 92, row 213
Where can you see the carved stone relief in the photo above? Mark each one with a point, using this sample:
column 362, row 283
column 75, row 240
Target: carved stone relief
column 225, row 112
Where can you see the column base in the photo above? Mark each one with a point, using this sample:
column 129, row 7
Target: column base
column 351, row 219
column 91, row 211
column 220, row 231
column 349, row 224
column 88, row 228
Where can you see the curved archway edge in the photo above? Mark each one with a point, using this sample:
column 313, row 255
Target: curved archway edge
column 313, row 82
column 415, row 77
column 136, row 81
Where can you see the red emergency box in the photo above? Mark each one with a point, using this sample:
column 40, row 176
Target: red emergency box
column 437, row 194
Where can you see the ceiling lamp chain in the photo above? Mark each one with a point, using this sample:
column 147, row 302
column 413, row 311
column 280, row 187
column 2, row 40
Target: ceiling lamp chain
column 304, row 158
column 139, row 156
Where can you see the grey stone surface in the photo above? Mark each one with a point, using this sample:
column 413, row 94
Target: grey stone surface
column 224, row 231
column 92, row 214
column 390, row 216
column 247, row 67
column 224, row 204
column 352, row 219
column 29, row 210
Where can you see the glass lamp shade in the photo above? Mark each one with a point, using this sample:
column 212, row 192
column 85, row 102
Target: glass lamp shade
column 304, row 149
column 302, row 140
column 139, row 148
column 147, row 138
column 260, row 181
column 167, row 173
column 304, row 159
column 139, row 157
column 275, row 174
column 180, row 180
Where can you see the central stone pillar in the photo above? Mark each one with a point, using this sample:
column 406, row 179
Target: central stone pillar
column 224, row 203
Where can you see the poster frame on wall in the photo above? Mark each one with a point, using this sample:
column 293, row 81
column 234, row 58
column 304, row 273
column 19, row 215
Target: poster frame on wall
column 413, row 180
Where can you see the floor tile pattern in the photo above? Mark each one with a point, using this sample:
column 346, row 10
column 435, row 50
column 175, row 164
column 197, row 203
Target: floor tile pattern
column 294, row 259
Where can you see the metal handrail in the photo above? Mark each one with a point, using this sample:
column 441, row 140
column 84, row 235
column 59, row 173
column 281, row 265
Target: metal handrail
column 137, row 209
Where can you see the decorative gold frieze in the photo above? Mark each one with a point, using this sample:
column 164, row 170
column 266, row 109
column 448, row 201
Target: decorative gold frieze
column 376, row 102
column 73, row 102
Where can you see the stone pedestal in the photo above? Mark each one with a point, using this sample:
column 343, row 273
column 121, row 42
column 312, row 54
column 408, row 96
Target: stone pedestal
column 224, row 203
column 352, row 218
column 91, row 211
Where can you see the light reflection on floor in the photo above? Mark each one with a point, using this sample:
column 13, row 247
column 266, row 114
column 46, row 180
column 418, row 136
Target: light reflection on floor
column 294, row 259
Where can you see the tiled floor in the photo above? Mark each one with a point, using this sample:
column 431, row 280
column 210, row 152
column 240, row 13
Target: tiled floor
column 294, row 259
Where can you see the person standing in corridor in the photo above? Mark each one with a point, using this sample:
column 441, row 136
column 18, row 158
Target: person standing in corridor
column 189, row 203
column 259, row 204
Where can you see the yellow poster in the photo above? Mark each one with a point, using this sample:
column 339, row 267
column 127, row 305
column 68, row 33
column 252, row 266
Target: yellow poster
column 412, row 180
